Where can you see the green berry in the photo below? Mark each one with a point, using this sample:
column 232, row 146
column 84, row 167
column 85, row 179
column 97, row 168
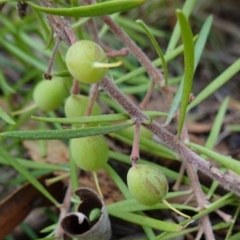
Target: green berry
column 147, row 184
column 80, row 60
column 144, row 132
column 49, row 94
column 89, row 153
column 76, row 105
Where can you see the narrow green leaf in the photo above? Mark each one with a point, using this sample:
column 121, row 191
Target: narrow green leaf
column 128, row 23
column 74, row 176
column 188, row 67
column 23, row 56
column 228, row 162
column 119, row 182
column 4, row 85
column 64, row 134
column 99, row 9
column 19, row 168
column 217, row 124
column 132, row 205
column 175, row 104
column 145, row 221
column 4, row 116
column 212, row 139
column 198, row 49
column 96, row 118
column 187, row 9
column 234, row 127
column 36, row 165
column 157, row 48
column 184, row 232
column 235, row 236
column 216, row 84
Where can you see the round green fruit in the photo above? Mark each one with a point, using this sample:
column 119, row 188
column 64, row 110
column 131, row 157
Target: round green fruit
column 81, row 59
column 49, row 94
column 89, row 153
column 76, row 105
column 147, row 184
column 144, row 132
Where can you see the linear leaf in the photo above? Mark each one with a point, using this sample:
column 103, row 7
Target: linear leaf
column 19, row 168
column 198, row 49
column 187, row 9
column 234, row 127
column 65, row 133
column 145, row 221
column 37, row 165
column 4, row 116
column 216, row 84
column 187, row 39
column 96, row 118
column 103, row 8
column 226, row 161
column 217, row 124
column 157, row 48
column 4, row 84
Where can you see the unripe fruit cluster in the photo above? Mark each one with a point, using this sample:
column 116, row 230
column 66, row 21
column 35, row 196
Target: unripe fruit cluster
column 147, row 184
column 81, row 60
column 49, row 94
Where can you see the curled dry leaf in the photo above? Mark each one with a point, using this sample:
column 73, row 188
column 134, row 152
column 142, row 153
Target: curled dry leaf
column 78, row 225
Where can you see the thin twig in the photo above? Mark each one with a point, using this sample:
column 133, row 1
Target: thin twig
column 198, row 193
column 135, row 147
column 48, row 75
column 118, row 53
column 93, row 97
column 139, row 54
column 147, row 97
column 227, row 182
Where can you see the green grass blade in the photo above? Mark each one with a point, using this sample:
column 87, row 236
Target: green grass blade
column 99, row 9
column 145, row 221
column 216, row 84
column 214, row 133
column 198, row 49
column 217, row 124
column 132, row 205
column 17, row 52
column 36, row 165
column 234, row 127
column 4, row 85
column 226, row 161
column 235, row 236
column 187, row 39
column 96, row 118
column 64, row 134
column 175, row 104
column 19, row 168
column 5, row 117
column 119, row 182
column 187, row 9
column 157, row 48
column 201, row 41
